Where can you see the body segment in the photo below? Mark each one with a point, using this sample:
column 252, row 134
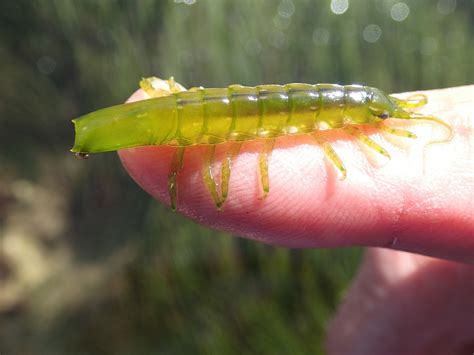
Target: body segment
column 236, row 113
column 183, row 118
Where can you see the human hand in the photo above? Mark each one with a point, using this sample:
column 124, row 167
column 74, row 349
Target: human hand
column 403, row 303
column 421, row 201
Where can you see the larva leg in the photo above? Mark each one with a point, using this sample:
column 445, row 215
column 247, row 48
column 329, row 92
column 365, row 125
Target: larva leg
column 396, row 131
column 263, row 158
column 174, row 88
column 209, row 177
column 416, row 100
column 366, row 140
column 332, row 156
column 413, row 101
column 227, row 169
column 153, row 87
column 176, row 166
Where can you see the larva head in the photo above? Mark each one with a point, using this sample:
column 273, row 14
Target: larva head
column 382, row 106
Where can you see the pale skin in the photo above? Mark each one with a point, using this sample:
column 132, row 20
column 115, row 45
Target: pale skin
column 420, row 201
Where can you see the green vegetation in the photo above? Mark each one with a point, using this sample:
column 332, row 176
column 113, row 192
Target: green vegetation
column 90, row 264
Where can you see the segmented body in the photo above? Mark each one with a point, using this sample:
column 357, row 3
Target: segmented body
column 238, row 113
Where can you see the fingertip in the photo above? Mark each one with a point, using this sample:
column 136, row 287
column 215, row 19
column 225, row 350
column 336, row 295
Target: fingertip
column 304, row 207
column 138, row 96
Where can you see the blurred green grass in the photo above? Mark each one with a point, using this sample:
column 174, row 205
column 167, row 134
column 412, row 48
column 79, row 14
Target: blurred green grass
column 122, row 274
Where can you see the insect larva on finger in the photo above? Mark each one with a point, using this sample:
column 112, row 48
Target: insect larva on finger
column 182, row 118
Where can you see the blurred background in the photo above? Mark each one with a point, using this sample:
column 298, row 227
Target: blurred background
column 89, row 263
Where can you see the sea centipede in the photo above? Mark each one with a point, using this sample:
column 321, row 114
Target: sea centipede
column 210, row 116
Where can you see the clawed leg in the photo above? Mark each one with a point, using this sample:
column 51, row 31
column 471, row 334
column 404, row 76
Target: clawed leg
column 209, row 177
column 153, row 87
column 396, row 131
column 366, row 140
column 173, row 87
column 413, row 101
column 227, row 169
column 263, row 158
column 331, row 155
column 176, row 166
